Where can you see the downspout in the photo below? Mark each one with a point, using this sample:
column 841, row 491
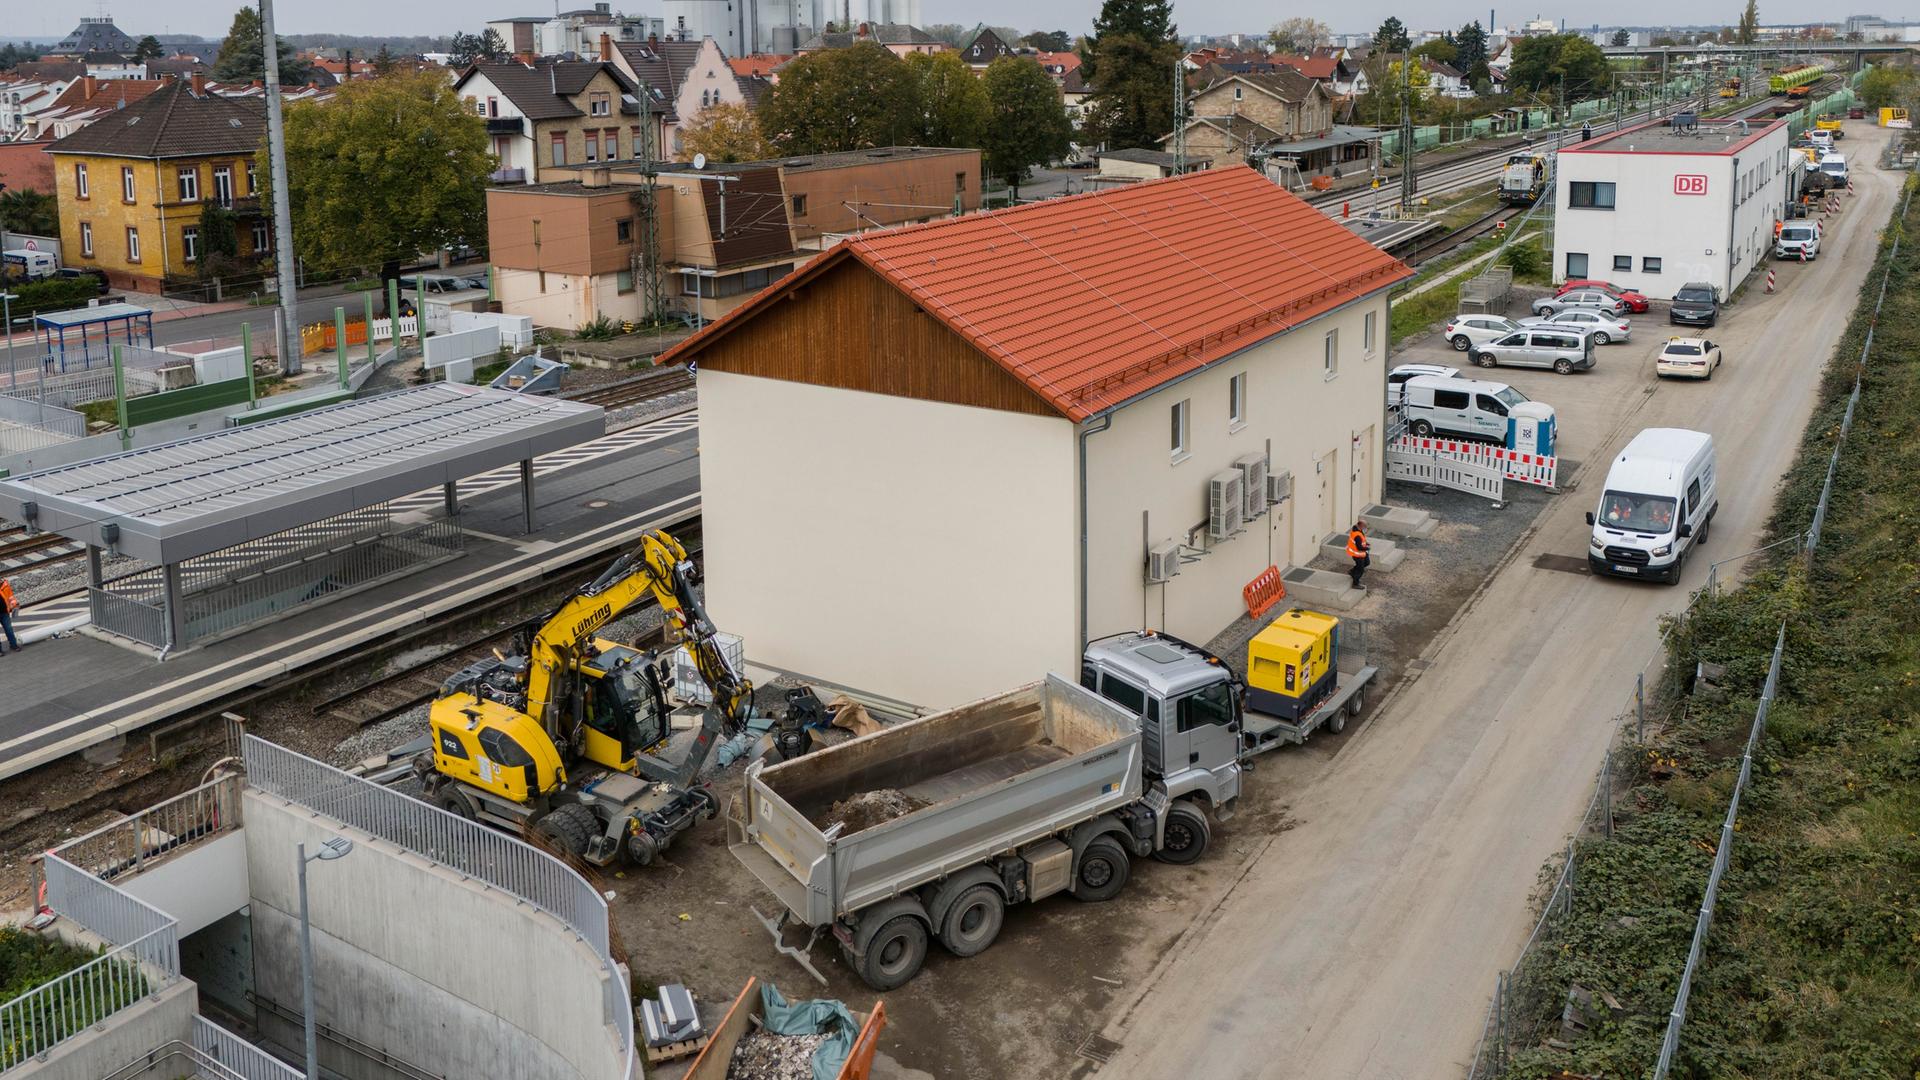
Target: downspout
column 1087, row 429
column 1733, row 218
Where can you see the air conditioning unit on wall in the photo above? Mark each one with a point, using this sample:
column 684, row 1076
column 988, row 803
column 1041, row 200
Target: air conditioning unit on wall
column 1253, row 475
column 1163, row 562
column 1279, row 487
column 1226, row 503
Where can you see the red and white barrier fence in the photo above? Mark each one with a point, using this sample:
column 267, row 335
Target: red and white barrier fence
column 1536, row 469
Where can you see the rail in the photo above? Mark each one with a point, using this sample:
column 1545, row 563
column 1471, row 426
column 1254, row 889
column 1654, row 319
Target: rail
column 127, row 846
column 238, row 1056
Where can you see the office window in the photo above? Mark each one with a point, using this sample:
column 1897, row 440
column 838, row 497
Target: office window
column 799, row 206
column 1650, row 265
column 1180, row 430
column 190, row 242
column 1237, row 400
column 1576, row 264
column 559, row 148
column 623, row 281
column 1366, row 332
column 223, row 185
column 133, row 244
column 1590, row 195
column 623, row 230
column 80, row 179
column 86, row 238
column 262, row 238
column 1623, row 262
column 190, row 184
column 1331, row 358
column 599, row 105
column 126, row 183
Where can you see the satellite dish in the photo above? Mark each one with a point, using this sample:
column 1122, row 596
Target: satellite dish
column 699, row 161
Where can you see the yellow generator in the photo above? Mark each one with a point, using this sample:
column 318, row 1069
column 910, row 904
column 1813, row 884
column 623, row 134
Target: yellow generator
column 1291, row 664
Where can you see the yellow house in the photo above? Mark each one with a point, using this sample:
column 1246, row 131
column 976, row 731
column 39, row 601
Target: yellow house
column 133, row 185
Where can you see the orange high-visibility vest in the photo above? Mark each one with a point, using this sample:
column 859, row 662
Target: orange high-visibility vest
column 6, row 596
column 1356, row 544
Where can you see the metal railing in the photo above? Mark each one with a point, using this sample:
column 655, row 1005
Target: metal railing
column 118, row 613
column 62, row 424
column 238, row 1056
column 126, row 847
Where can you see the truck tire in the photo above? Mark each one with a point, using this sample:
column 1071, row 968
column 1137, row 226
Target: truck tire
column 453, row 802
column 974, row 920
column 1186, row 836
column 569, row 827
column 1101, row 872
column 894, row 953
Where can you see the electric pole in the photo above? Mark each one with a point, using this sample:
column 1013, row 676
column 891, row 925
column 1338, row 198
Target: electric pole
column 650, row 213
column 1406, row 134
column 288, row 332
column 1179, row 120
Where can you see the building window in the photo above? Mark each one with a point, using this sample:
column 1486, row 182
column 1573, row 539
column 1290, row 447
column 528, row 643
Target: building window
column 80, row 179
column 126, row 183
column 190, row 243
column 593, row 146
column 493, row 106
column 639, row 141
column 251, row 186
column 623, row 230
column 1623, row 262
column 190, row 184
column 1236, row 93
column 133, row 244
column 799, row 206
column 1590, row 195
column 1366, row 333
column 262, row 238
column 1649, row 265
column 1237, row 402
column 223, row 185
column 1330, row 360
column 623, row 281
column 959, row 183
column 86, row 238
column 559, row 148
column 1180, row 430
column 610, row 143
column 1576, row 264
column 599, row 105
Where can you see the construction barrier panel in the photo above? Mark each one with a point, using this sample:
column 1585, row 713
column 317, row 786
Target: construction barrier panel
column 1425, row 467
column 1525, row 468
column 1264, row 591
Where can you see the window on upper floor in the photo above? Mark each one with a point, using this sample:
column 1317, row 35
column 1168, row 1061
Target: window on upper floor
column 127, row 190
column 1237, row 401
column 1590, row 195
column 599, row 104
column 799, row 206
column 623, row 230
column 1366, row 332
column 190, row 184
column 80, row 179
column 1330, row 358
column 1180, row 429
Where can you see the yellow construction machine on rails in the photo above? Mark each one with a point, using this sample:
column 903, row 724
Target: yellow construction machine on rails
column 564, row 736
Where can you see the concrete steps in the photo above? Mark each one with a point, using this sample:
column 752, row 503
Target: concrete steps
column 1321, row 588
column 1400, row 521
column 1386, row 553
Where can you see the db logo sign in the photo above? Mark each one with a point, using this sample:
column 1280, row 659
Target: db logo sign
column 1690, row 184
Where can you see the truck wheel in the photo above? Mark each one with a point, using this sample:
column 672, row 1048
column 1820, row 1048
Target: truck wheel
column 569, row 827
column 453, row 802
column 1102, row 871
column 1187, row 835
column 895, row 953
column 974, row 920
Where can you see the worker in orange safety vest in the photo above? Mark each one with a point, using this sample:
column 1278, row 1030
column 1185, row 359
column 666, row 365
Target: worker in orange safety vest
column 1357, row 550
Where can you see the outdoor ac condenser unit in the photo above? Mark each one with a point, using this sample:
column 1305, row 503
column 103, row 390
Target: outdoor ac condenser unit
column 1163, row 562
column 1279, row 487
column 1226, row 503
column 1253, row 474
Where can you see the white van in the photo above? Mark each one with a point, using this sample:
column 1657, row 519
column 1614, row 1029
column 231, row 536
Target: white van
column 1835, row 166
column 1462, row 408
column 24, row 264
column 1658, row 502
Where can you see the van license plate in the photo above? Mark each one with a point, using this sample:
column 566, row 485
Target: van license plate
column 1618, row 569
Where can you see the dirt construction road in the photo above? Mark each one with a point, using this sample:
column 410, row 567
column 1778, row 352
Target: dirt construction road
column 1364, row 942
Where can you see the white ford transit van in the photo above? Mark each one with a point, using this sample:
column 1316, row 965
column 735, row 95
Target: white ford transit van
column 1659, row 499
column 1460, row 408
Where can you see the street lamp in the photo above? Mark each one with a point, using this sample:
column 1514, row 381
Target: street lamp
column 329, row 851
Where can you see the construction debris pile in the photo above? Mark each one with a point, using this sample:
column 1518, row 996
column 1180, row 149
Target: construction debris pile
column 763, row 1055
column 870, row 808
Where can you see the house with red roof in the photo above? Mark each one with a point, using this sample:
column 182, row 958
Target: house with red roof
column 1011, row 417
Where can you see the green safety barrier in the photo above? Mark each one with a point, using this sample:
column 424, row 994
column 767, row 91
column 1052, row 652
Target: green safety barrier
column 170, row 404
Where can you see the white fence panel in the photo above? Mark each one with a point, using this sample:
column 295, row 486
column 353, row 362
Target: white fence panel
column 516, row 331
column 1426, row 467
column 444, row 349
column 1519, row 466
column 383, row 328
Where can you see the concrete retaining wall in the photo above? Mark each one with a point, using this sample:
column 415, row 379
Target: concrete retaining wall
column 412, row 960
column 130, row 1033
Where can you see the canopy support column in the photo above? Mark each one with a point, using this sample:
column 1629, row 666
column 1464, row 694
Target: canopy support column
column 452, row 489
column 526, row 489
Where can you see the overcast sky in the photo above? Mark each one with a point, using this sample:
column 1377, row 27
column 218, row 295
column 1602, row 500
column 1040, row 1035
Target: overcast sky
column 53, row 18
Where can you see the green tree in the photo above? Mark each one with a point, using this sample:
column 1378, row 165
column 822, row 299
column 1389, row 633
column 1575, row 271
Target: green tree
column 1298, row 35
column 1470, row 51
column 1621, row 39
column 387, row 169
column 242, row 56
column 946, row 103
column 1438, row 49
column 383, row 61
column 148, row 49
column 1392, row 36
column 1749, row 27
column 1133, row 90
column 464, row 48
column 29, row 211
column 1555, row 61
column 1150, row 21
column 950, row 33
column 838, row 99
column 1884, row 85
column 725, row 133
column 11, row 54
column 1048, row 40
column 1027, row 124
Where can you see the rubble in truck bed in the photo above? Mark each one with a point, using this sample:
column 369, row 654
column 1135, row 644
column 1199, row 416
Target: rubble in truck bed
column 869, row 808
column 763, row 1055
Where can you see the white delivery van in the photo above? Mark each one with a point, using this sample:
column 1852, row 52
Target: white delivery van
column 1658, row 502
column 24, row 264
column 1835, row 166
column 1459, row 408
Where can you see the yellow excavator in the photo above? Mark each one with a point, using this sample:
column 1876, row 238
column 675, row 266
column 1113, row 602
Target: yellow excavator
column 564, row 736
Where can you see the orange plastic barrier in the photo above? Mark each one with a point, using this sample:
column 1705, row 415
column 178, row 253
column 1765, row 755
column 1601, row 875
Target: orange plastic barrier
column 1264, row 591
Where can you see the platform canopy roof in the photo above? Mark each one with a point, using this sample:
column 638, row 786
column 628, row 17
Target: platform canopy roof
column 89, row 316
column 182, row 499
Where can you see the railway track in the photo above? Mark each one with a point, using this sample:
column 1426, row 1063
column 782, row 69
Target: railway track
column 25, row 546
column 646, row 387
column 1465, row 234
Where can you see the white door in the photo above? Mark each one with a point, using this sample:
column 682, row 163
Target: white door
column 1361, row 488
column 1323, row 470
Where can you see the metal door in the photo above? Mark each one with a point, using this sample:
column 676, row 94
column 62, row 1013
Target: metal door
column 1323, row 491
column 1360, row 490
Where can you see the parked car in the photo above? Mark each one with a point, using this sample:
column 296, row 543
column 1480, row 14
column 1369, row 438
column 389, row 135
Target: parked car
column 1834, row 167
column 1604, row 328
column 99, row 276
column 1692, row 358
column 1466, row 331
column 1462, row 408
column 1636, row 302
column 1590, row 299
column 1856, row 112
column 1696, row 304
column 1397, row 378
column 1798, row 240
column 1565, row 351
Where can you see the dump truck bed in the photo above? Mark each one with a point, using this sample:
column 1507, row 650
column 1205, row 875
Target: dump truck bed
column 847, row 826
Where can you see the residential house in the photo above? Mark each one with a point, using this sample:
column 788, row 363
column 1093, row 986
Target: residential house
column 133, row 188
column 1445, row 80
column 1330, row 69
column 555, row 113
column 94, row 35
column 709, row 80
column 1241, row 114
column 1120, row 167
column 661, row 69
column 984, row 49
column 758, row 65
column 1076, row 95
column 112, row 65
column 87, row 100
column 899, row 39
column 1058, row 64
column 1044, row 373
column 23, row 98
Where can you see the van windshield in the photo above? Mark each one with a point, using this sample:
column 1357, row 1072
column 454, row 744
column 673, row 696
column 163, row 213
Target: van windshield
column 1796, row 234
column 1509, row 397
column 1652, row 514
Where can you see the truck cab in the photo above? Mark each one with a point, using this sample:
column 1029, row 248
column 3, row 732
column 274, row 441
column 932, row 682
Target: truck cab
column 1189, row 704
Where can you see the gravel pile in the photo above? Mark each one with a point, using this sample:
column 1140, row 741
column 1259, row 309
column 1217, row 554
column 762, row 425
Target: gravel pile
column 765, row 1056
column 870, row 808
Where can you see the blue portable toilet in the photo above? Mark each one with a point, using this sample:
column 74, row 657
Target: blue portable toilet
column 1530, row 428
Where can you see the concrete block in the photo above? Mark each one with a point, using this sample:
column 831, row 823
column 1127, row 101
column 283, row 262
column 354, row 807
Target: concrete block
column 1402, row 521
column 1321, row 588
column 1386, row 553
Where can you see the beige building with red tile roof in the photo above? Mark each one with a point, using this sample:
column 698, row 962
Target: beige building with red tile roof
column 1004, row 413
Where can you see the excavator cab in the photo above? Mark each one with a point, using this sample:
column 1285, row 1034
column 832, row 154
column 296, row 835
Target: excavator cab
column 622, row 709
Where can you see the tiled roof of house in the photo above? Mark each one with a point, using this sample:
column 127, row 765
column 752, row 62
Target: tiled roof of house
column 985, row 48
column 879, row 33
column 540, row 91
column 662, row 66
column 1058, row 63
column 1090, row 300
column 754, row 89
column 48, row 69
column 111, row 93
column 1313, row 67
column 172, row 122
column 1075, row 82
column 1282, row 82
column 758, row 64
column 1438, row 67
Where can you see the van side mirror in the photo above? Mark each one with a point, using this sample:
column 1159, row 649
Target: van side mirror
column 1686, row 530
column 1589, row 517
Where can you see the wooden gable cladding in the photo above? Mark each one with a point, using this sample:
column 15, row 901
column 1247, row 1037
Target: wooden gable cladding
column 848, row 328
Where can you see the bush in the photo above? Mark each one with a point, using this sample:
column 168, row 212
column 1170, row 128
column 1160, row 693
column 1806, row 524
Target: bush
column 1526, row 259
column 53, row 294
column 600, row 329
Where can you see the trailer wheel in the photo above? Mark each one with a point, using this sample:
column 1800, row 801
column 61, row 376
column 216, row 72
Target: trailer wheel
column 974, row 920
column 1337, row 723
column 895, row 953
column 1186, row 836
column 1102, row 871
column 569, row 827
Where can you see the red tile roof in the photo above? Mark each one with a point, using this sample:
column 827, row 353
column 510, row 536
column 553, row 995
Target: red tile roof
column 1313, row 67
column 1093, row 300
column 761, row 64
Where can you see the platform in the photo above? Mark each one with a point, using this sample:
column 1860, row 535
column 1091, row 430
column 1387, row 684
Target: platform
column 74, row 692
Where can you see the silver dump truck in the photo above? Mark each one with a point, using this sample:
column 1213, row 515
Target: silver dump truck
column 927, row 830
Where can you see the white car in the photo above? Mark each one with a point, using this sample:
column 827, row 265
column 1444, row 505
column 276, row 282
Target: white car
column 1397, row 378
column 1692, row 358
column 1604, row 328
column 1580, row 299
column 1463, row 332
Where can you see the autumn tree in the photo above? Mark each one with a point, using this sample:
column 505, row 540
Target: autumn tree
column 725, row 133
column 1027, row 124
column 946, row 103
column 1299, row 35
column 242, row 56
column 1048, row 40
column 838, row 99
column 1749, row 28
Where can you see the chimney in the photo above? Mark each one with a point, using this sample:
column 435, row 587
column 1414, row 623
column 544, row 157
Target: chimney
column 606, row 48
column 199, row 84
column 596, row 178
column 525, row 57
column 88, row 87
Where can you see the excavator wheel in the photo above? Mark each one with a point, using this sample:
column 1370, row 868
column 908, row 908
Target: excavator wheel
column 569, row 826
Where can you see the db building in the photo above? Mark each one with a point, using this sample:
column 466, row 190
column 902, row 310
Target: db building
column 1656, row 206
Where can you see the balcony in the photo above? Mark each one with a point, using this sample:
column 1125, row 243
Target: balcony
column 505, row 125
column 508, row 176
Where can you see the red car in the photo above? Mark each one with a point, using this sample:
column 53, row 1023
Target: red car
column 1635, row 302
